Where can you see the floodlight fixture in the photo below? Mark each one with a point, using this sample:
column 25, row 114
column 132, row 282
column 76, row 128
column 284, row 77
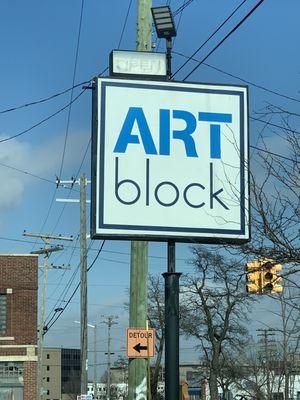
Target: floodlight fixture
column 165, row 28
column 163, row 21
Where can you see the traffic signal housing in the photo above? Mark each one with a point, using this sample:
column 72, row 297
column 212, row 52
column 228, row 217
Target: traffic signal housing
column 263, row 277
column 253, row 284
column 270, row 277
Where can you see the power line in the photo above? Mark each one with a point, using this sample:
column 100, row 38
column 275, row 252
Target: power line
column 241, row 79
column 64, row 292
column 125, row 23
column 43, row 120
column 27, row 173
column 69, row 111
column 179, row 21
column 75, row 290
column 72, row 188
column 72, row 90
column 274, row 154
column 22, row 171
column 275, row 125
column 181, row 8
column 208, row 39
column 226, row 37
column 53, row 96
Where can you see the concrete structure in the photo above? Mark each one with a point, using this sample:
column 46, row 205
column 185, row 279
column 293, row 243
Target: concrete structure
column 61, row 373
column 18, row 326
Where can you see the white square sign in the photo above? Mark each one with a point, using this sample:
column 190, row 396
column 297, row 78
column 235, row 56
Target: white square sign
column 170, row 161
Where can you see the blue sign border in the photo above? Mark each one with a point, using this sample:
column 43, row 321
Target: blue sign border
column 171, row 229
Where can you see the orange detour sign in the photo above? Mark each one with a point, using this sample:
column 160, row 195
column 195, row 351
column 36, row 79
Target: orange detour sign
column 140, row 343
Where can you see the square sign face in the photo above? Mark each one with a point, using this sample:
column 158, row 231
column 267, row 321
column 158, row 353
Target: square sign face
column 170, row 161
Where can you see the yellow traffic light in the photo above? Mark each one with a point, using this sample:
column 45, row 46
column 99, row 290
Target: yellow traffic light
column 254, row 284
column 270, row 277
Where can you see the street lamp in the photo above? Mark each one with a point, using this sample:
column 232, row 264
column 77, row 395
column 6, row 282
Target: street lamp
column 165, row 28
column 95, row 357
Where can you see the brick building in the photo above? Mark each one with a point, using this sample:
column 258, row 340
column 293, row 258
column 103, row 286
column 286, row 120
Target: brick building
column 18, row 326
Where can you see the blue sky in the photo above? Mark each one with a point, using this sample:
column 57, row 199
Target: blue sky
column 38, row 45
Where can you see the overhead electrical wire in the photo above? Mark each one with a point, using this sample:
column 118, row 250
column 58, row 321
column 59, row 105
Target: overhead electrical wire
column 69, row 283
column 125, row 23
column 69, row 115
column 43, row 120
column 224, row 38
column 64, row 293
column 72, row 90
column 179, row 21
column 72, row 188
column 209, row 38
column 53, row 96
column 27, row 173
column 120, row 40
column 275, row 92
column 275, row 154
column 53, row 198
column 275, row 125
column 57, row 315
column 181, row 8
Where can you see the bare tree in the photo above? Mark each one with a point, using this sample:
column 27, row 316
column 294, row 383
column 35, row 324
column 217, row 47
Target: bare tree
column 156, row 316
column 276, row 192
column 214, row 304
column 289, row 340
column 231, row 370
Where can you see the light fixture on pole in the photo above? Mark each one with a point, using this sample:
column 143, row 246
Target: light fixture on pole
column 165, row 28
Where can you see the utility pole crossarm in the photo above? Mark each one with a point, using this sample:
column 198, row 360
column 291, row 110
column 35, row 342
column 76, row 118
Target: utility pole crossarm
column 48, row 237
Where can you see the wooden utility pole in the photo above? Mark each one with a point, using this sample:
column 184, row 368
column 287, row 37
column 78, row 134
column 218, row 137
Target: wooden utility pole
column 83, row 277
column 109, row 322
column 137, row 369
column 95, row 362
column 83, row 287
column 266, row 333
column 46, row 251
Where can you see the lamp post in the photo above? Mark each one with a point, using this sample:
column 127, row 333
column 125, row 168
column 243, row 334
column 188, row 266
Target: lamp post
column 165, row 28
column 95, row 357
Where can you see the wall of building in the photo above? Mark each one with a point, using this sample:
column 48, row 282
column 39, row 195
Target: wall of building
column 18, row 338
column 61, row 373
column 52, row 373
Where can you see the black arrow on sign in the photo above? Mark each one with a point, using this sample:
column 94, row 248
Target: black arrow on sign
column 138, row 347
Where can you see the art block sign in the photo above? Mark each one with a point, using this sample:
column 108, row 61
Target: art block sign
column 170, row 160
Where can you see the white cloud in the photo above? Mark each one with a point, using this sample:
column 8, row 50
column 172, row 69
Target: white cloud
column 42, row 160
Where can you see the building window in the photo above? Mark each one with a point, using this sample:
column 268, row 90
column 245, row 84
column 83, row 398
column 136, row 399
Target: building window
column 3, row 311
column 48, row 368
column 48, row 379
column 11, row 371
column 48, row 392
column 48, row 356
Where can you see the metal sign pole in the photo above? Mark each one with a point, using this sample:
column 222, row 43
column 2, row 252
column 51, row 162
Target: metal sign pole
column 171, row 326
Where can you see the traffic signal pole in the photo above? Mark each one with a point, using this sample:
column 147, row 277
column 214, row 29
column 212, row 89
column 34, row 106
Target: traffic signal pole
column 137, row 369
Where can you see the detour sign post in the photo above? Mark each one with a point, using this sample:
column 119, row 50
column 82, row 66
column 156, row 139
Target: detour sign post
column 140, row 343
